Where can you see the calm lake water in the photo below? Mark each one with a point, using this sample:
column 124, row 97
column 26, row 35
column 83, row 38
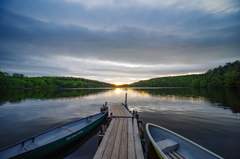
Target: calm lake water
column 209, row 117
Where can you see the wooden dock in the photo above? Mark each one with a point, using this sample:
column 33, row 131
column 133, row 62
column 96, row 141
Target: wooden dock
column 118, row 111
column 122, row 139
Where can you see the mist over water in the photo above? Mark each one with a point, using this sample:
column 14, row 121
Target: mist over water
column 209, row 117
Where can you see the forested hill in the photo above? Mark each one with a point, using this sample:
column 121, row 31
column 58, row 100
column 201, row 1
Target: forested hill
column 19, row 81
column 222, row 76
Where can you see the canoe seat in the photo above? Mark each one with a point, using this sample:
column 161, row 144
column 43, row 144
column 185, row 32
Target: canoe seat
column 33, row 145
column 167, row 145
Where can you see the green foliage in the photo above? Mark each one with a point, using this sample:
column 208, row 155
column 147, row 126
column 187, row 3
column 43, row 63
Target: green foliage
column 203, row 83
column 222, row 76
column 195, row 83
column 16, row 75
column 231, row 78
column 19, row 81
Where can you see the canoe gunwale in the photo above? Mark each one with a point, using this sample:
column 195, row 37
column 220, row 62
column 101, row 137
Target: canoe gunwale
column 33, row 137
column 154, row 143
column 169, row 131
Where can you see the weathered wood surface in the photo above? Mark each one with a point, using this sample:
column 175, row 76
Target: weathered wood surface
column 131, row 147
column 126, row 112
column 137, row 141
column 119, row 110
column 103, row 145
column 108, row 152
column 122, row 138
column 117, row 142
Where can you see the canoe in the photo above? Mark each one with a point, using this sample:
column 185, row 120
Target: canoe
column 51, row 140
column 170, row 145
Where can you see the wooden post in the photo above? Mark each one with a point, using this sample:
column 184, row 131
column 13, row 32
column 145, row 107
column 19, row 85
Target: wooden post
column 102, row 109
column 101, row 134
column 139, row 121
column 126, row 101
column 141, row 131
column 137, row 116
column 102, row 129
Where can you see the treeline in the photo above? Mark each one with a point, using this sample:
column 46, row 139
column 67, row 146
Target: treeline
column 20, row 81
column 222, row 76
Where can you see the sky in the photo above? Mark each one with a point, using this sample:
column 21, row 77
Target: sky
column 117, row 41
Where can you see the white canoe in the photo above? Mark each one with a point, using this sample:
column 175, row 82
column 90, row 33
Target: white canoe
column 170, row 145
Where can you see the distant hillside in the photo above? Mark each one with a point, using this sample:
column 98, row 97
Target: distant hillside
column 222, row 76
column 19, row 81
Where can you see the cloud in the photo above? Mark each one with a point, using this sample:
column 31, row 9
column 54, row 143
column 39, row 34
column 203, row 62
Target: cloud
column 213, row 6
column 106, row 40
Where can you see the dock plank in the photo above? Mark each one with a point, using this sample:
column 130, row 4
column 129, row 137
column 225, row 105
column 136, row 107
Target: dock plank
column 127, row 113
column 108, row 150
column 117, row 143
column 120, row 110
column 131, row 147
column 104, row 142
column 124, row 140
column 113, row 110
column 137, row 141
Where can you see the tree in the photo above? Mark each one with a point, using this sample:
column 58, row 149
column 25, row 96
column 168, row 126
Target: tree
column 237, row 66
column 195, row 83
column 203, row 83
column 232, row 78
column 16, row 75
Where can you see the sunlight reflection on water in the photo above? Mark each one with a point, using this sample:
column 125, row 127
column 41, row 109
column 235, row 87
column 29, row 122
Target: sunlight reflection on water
column 204, row 116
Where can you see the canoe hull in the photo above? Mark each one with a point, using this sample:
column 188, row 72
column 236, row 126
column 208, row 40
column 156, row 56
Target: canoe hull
column 157, row 151
column 54, row 146
column 174, row 144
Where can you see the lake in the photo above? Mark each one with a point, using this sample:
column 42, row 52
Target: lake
column 209, row 117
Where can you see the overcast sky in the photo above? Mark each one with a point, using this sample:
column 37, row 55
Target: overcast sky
column 117, row 41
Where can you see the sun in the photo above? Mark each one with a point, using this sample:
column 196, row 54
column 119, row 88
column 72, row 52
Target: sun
column 117, row 84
